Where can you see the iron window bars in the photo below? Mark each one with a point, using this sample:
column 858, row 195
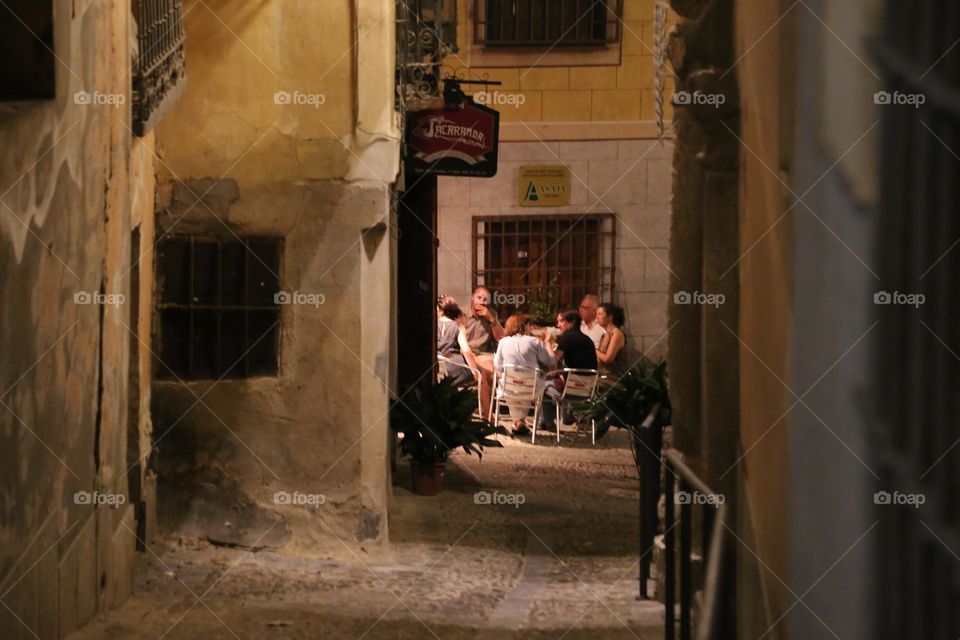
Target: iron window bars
column 553, row 260
column 547, row 23
column 159, row 72
column 218, row 310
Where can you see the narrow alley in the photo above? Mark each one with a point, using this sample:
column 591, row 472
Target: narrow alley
column 275, row 273
column 552, row 554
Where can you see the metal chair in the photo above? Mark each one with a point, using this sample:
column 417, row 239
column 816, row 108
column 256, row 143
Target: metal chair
column 443, row 364
column 516, row 386
column 580, row 386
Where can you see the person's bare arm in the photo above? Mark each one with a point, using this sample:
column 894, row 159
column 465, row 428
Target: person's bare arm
column 466, row 351
column 495, row 327
column 616, row 343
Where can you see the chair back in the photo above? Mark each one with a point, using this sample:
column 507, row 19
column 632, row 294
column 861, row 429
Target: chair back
column 518, row 383
column 581, row 383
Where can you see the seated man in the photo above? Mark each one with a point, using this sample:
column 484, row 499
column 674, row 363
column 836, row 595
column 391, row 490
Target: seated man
column 483, row 331
column 575, row 350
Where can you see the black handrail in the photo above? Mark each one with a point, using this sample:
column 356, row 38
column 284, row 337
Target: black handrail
column 715, row 620
column 647, row 446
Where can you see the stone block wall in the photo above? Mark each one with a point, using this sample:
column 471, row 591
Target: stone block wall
column 628, row 178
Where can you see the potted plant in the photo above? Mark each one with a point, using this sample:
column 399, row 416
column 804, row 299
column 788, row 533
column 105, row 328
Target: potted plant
column 627, row 403
column 433, row 421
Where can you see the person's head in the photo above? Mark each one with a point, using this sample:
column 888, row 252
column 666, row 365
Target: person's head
column 609, row 314
column 568, row 319
column 447, row 306
column 588, row 308
column 481, row 297
column 516, row 324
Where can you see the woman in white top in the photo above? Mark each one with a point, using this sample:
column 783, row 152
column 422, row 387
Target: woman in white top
column 517, row 348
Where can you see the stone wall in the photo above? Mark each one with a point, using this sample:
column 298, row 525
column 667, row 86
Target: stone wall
column 287, row 129
column 67, row 209
column 629, row 178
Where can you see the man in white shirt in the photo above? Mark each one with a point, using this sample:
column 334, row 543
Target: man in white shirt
column 588, row 315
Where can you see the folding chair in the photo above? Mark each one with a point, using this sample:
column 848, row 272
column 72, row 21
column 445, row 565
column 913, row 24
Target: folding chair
column 516, row 386
column 443, row 367
column 580, row 386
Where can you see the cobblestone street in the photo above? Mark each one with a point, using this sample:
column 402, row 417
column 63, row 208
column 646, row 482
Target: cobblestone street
column 560, row 565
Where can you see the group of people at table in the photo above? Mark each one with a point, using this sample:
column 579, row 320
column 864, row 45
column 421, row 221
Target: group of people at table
column 475, row 342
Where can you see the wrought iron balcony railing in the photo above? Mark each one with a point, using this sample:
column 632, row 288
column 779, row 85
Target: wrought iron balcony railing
column 159, row 73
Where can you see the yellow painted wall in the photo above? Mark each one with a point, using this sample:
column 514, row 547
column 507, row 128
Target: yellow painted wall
column 238, row 57
column 619, row 91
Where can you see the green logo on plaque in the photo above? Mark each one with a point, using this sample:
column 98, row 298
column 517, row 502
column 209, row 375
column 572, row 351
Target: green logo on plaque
column 531, row 195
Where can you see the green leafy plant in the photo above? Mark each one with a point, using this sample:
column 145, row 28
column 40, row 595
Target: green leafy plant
column 437, row 418
column 542, row 306
column 627, row 403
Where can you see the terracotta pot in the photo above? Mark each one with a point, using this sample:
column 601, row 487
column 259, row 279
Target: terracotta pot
column 427, row 477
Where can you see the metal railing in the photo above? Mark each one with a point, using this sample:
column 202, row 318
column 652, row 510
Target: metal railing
column 715, row 618
column 159, row 72
column 646, row 454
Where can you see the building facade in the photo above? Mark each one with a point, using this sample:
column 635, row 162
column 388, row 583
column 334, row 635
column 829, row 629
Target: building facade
column 580, row 97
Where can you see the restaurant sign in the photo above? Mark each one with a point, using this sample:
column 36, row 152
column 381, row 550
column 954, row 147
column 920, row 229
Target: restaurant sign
column 454, row 142
column 544, row 186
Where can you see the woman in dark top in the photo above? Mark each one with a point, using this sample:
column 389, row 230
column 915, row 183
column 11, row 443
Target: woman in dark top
column 610, row 354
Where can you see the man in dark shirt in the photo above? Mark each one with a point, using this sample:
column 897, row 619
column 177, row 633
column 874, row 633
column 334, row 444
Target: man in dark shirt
column 575, row 350
column 574, row 347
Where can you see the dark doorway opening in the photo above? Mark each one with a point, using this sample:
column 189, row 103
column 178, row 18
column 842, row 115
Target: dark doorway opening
column 416, row 281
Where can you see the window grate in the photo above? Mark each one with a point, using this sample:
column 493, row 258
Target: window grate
column 219, row 316
column 543, row 263
column 547, row 23
column 159, row 73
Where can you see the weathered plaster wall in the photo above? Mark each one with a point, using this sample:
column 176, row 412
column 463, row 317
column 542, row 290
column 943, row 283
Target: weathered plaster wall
column 629, row 178
column 65, row 218
column 766, row 282
column 835, row 344
column 237, row 161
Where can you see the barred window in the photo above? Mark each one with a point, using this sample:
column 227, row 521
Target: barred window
column 159, row 73
column 547, row 23
column 219, row 316
column 543, row 263
column 26, row 47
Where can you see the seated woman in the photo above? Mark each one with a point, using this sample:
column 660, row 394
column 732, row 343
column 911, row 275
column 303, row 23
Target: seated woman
column 611, row 354
column 452, row 344
column 518, row 348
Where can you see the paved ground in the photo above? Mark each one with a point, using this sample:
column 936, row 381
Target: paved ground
column 556, row 558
